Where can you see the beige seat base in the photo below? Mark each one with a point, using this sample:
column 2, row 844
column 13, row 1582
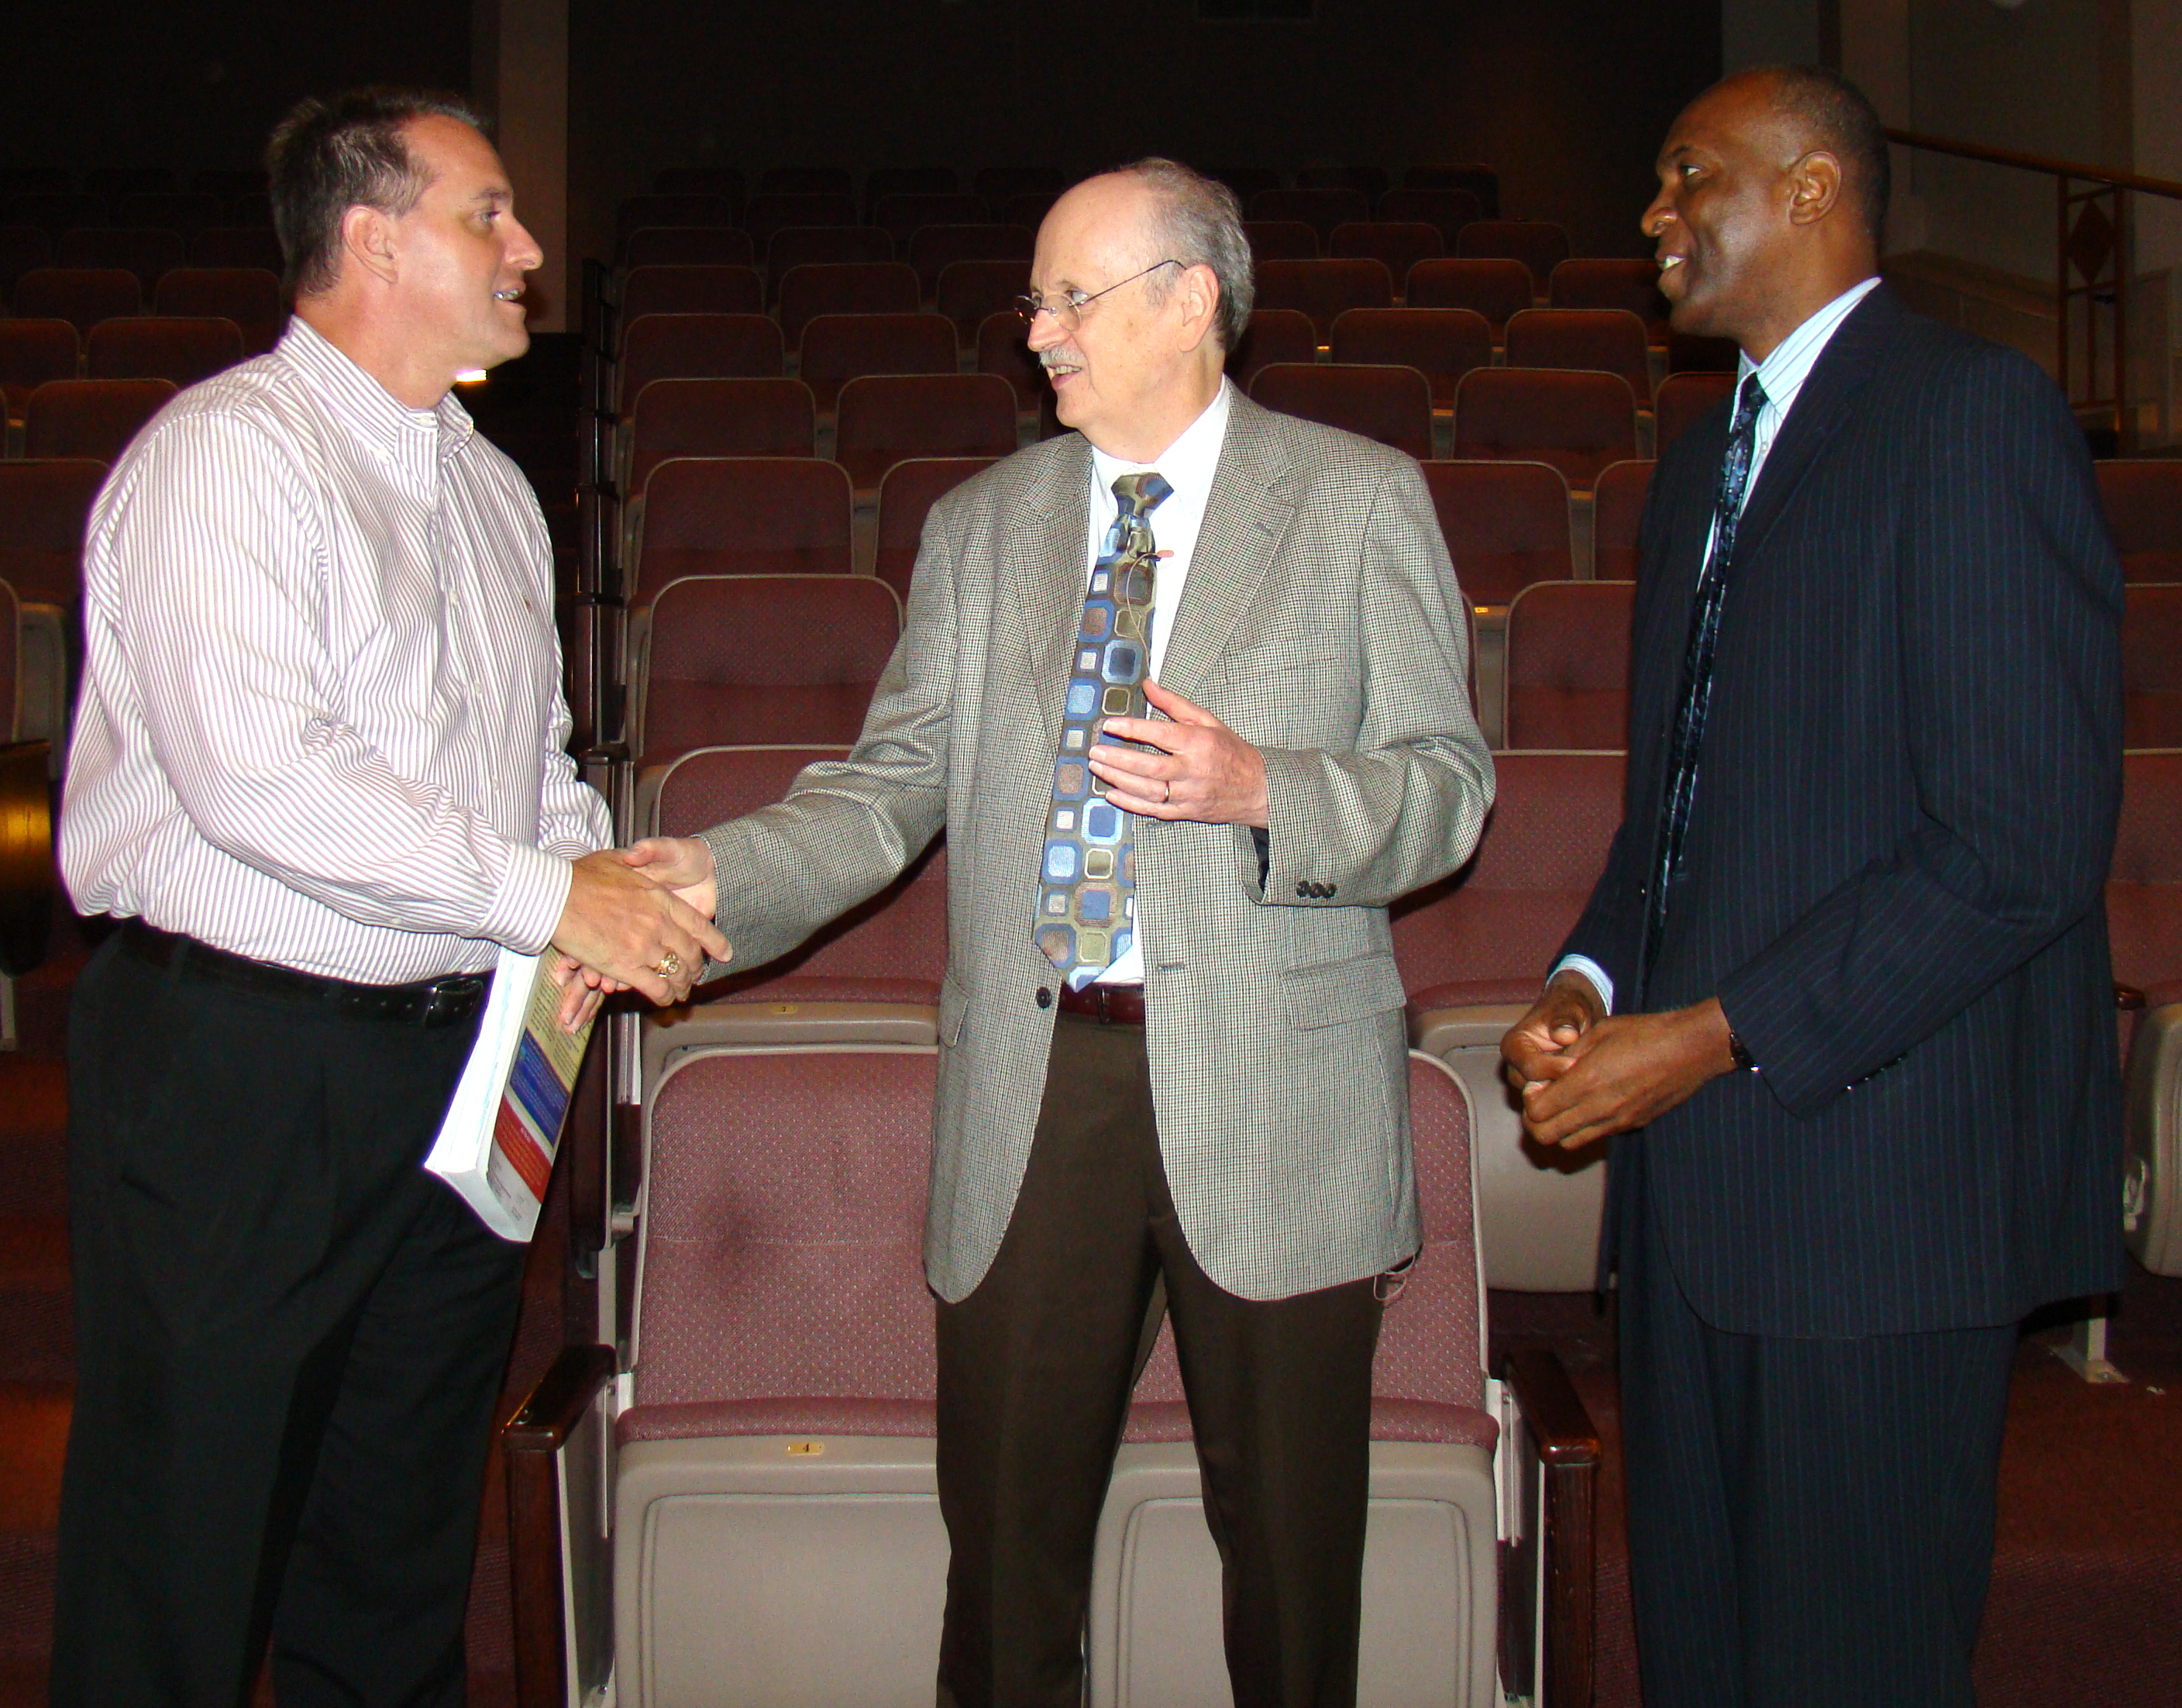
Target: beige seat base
column 2151, row 1210
column 1538, row 1213
column 1429, row 1636
column 675, row 1032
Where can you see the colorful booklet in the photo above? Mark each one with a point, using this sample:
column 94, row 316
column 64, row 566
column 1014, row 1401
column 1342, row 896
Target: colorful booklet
column 497, row 1145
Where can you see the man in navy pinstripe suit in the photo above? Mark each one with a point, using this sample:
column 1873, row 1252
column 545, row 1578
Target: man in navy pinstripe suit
column 1843, row 988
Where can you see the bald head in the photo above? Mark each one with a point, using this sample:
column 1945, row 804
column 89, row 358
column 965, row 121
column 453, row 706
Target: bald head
column 1824, row 112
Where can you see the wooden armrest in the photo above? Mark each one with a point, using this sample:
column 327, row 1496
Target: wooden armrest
column 26, row 855
column 1568, row 1446
column 537, row 1431
column 2128, row 996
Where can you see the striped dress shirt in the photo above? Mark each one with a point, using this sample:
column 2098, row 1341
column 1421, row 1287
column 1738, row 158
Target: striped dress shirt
column 322, row 723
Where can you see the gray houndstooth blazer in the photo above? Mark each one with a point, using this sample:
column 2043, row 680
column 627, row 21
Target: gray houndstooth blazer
column 1321, row 620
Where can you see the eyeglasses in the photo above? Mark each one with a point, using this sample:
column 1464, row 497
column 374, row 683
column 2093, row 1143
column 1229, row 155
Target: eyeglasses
column 1068, row 312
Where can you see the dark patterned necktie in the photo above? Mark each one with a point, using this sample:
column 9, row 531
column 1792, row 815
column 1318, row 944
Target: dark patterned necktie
column 1086, row 894
column 1696, row 701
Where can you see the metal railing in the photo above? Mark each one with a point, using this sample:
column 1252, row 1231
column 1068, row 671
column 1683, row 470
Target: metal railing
column 2090, row 265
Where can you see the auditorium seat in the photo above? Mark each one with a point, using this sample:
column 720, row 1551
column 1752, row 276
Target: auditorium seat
column 840, row 347
column 997, row 184
column 251, row 210
column 1473, row 951
column 1442, row 344
column 779, row 1405
column 237, row 246
column 843, row 288
column 1481, row 181
column 22, row 247
column 1392, row 405
column 2144, row 920
column 697, row 346
column 111, row 182
column 743, row 516
column 1400, row 245
column 1319, row 210
column 718, row 418
column 2151, row 667
column 1604, row 340
column 55, row 212
column 1506, row 526
column 1567, row 672
column 885, row 418
column 1004, row 348
column 871, row 976
column 185, row 213
column 31, row 352
column 686, row 246
column 90, row 417
column 638, row 211
column 934, row 248
column 724, row 181
column 690, row 290
column 1617, row 511
column 1322, row 289
column 154, row 348
column 768, row 212
column 807, row 180
column 800, row 245
column 1028, row 208
column 906, row 496
column 883, row 181
column 81, row 296
column 1539, row 244
column 250, row 297
column 1248, row 182
column 1281, row 239
column 969, row 292
column 1688, row 353
column 1448, row 210
column 1577, row 422
column 44, row 508
column 1684, row 400
column 759, row 658
column 1370, row 181
column 1616, row 283
column 902, row 217
column 1495, row 288
column 1270, row 335
column 2143, row 502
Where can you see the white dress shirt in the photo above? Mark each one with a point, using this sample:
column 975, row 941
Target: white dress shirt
column 1187, row 466
column 322, row 723
column 1780, row 375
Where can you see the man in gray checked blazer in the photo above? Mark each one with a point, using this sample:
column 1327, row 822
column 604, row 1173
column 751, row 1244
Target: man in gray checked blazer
column 1224, row 1106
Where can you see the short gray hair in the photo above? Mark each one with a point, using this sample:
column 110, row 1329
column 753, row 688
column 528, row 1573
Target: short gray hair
column 1200, row 223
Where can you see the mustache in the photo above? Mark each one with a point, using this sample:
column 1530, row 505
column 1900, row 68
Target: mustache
column 1057, row 359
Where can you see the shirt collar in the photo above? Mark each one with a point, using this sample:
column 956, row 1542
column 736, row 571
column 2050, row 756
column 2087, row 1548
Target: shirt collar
column 1187, row 465
column 1782, row 373
column 376, row 415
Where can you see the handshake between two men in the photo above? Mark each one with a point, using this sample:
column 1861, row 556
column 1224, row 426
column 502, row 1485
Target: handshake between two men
column 637, row 918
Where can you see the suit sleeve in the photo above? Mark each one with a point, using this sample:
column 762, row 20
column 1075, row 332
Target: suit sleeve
column 850, row 826
column 1406, row 805
column 2010, row 613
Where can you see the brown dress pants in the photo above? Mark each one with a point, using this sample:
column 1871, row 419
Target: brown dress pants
column 1035, row 1371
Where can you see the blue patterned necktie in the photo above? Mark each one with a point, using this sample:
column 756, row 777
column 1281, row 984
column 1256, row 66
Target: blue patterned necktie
column 1696, row 701
column 1087, row 895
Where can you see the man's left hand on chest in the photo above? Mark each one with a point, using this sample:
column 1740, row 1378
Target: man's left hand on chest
column 1202, row 770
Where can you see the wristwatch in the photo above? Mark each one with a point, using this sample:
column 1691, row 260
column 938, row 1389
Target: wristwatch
column 1745, row 1062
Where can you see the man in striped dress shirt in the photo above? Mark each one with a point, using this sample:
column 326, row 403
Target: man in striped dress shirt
column 318, row 772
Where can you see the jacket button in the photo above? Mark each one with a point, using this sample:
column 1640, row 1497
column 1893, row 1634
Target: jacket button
column 1332, row 890
column 1044, row 998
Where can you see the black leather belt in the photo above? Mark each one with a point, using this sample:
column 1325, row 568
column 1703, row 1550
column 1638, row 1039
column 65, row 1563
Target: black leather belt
column 1110, row 1005
column 431, row 1002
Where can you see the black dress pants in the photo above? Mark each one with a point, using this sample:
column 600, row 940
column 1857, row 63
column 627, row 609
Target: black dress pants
column 1810, row 1521
column 290, row 1339
column 1035, row 1369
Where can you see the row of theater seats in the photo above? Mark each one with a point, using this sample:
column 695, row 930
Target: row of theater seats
column 146, row 254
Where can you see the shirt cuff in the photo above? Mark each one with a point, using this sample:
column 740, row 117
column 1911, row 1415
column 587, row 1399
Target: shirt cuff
column 533, row 895
column 1592, row 970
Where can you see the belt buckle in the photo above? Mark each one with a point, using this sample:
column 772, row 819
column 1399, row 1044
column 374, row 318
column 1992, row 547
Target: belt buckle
column 450, row 1000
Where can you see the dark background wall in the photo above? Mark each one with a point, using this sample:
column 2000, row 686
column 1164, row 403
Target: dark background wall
column 1569, row 97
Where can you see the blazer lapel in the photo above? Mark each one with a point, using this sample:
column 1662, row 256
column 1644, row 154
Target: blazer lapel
column 1047, row 567
column 1851, row 357
column 1252, row 500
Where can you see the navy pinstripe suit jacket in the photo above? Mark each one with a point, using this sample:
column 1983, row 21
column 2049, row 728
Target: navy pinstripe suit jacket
column 1903, row 818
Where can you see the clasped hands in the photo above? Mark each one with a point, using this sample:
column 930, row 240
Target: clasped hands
column 633, row 923
column 1584, row 1075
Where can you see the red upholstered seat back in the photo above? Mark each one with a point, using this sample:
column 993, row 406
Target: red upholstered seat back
column 843, row 288
column 1617, row 514
column 1606, row 340
column 901, row 217
column 145, row 346
column 698, row 347
column 2151, row 666
column 1598, row 283
column 906, row 496
column 1494, row 287
column 250, row 297
column 33, row 351
column 886, row 418
column 1392, row 405
column 1273, row 335
column 1506, row 526
column 718, row 418
column 1003, row 350
column 688, row 245
column 1281, row 239
column 687, row 208
column 1322, row 289
column 1578, row 422
column 81, row 296
column 840, row 347
column 90, row 417
column 690, row 290
column 799, row 246
column 1321, row 209
column 1567, row 665
column 146, row 253
column 934, row 248
column 1683, row 399
column 744, row 516
column 43, row 509
column 970, row 291
column 1400, row 243
column 1540, row 245
column 770, row 211
column 1448, row 210
column 2143, row 502
column 1442, row 344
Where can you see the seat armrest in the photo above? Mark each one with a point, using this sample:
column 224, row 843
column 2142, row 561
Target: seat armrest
column 2128, row 996
column 26, row 855
column 1567, row 1443
column 532, row 1442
